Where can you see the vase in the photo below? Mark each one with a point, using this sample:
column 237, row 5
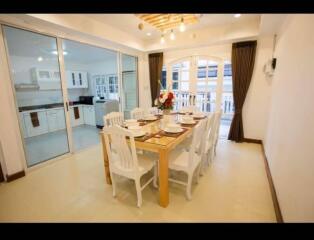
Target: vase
column 166, row 111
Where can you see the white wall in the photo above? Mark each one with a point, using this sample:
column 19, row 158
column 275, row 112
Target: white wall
column 256, row 105
column 289, row 142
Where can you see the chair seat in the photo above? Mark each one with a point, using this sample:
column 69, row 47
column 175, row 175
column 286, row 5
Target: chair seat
column 145, row 163
column 179, row 160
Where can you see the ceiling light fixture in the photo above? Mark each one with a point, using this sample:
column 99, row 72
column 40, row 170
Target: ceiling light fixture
column 182, row 25
column 39, row 59
column 162, row 40
column 148, row 34
column 237, row 15
column 172, row 36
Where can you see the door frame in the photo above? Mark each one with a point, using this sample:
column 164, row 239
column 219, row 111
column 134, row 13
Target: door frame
column 193, row 73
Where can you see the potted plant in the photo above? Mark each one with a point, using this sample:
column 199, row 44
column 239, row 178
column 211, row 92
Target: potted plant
column 165, row 100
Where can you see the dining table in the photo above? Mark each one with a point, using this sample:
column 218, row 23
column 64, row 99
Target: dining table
column 158, row 141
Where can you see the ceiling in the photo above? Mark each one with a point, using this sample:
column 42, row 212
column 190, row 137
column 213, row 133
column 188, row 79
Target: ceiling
column 129, row 23
column 27, row 44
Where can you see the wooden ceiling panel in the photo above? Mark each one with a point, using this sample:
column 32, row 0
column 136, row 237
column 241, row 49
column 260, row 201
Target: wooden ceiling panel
column 165, row 22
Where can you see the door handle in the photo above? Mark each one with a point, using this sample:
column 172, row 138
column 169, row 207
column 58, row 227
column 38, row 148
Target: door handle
column 67, row 106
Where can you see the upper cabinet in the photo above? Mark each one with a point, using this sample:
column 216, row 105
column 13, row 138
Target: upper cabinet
column 46, row 79
column 50, row 79
column 77, row 79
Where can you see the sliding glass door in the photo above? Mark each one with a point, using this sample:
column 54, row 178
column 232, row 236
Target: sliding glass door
column 63, row 89
column 35, row 75
column 129, row 83
column 92, row 87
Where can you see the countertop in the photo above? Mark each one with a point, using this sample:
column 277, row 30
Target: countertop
column 49, row 106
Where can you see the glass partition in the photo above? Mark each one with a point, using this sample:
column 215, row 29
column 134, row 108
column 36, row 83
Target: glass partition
column 129, row 83
column 36, row 79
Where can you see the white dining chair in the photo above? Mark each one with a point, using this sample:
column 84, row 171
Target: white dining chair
column 208, row 142
column 188, row 161
column 124, row 161
column 152, row 110
column 217, row 128
column 137, row 113
column 113, row 118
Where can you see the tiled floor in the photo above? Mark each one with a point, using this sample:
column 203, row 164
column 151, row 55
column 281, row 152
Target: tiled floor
column 50, row 145
column 234, row 189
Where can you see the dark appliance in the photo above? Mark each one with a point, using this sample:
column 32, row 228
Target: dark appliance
column 88, row 100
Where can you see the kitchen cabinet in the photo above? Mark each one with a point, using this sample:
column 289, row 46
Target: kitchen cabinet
column 56, row 119
column 77, row 79
column 46, row 79
column 80, row 120
column 34, row 131
column 89, row 115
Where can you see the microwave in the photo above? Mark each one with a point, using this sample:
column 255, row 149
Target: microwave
column 86, row 100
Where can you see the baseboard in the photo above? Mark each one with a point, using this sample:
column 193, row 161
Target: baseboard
column 15, row 176
column 272, row 188
column 251, row 140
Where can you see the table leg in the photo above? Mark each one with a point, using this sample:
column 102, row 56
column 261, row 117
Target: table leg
column 163, row 178
column 106, row 160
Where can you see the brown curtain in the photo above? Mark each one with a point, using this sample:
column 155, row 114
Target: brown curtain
column 242, row 60
column 155, row 68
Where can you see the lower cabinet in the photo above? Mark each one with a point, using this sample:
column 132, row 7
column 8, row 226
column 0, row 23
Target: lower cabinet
column 89, row 115
column 38, row 130
column 76, row 121
column 56, row 120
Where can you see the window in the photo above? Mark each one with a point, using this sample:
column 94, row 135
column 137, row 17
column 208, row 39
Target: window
column 227, row 94
column 206, row 85
column 227, row 70
column 181, row 83
column 164, row 77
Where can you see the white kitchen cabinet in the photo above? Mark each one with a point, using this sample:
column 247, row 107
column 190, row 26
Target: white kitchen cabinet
column 56, row 119
column 89, row 115
column 46, row 79
column 77, row 79
column 80, row 120
column 34, row 131
column 22, row 125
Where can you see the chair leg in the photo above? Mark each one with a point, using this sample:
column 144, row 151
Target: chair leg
column 113, row 185
column 189, row 187
column 155, row 175
column 138, row 192
column 198, row 172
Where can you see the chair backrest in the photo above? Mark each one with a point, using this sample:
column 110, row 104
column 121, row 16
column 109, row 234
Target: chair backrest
column 217, row 121
column 113, row 118
column 209, row 132
column 153, row 110
column 137, row 113
column 196, row 140
column 119, row 150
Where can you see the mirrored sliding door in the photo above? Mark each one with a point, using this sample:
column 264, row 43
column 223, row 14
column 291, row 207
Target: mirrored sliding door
column 35, row 75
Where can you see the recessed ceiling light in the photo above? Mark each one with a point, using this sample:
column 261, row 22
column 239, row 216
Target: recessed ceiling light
column 237, row 15
column 39, row 59
column 148, row 34
column 162, row 40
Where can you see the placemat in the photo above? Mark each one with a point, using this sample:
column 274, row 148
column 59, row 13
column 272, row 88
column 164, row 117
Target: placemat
column 166, row 134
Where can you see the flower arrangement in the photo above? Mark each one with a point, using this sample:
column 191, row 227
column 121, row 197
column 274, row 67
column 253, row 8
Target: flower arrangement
column 165, row 99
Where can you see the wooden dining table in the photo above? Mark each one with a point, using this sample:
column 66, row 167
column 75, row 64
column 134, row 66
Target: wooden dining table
column 158, row 141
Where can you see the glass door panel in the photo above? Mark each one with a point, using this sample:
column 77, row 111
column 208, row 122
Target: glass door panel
column 129, row 83
column 35, row 74
column 93, row 91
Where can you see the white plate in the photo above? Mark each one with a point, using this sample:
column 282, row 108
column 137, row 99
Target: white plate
column 138, row 133
column 190, row 122
column 199, row 116
column 173, row 130
column 130, row 121
column 134, row 128
column 150, row 118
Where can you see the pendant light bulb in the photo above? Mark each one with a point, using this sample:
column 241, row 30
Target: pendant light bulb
column 162, row 39
column 172, row 36
column 182, row 25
